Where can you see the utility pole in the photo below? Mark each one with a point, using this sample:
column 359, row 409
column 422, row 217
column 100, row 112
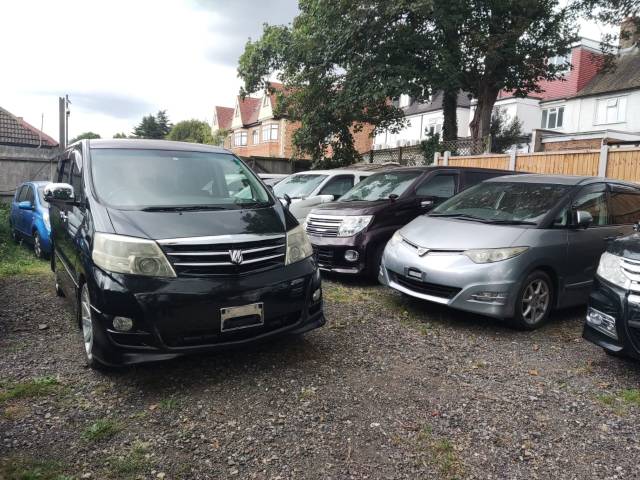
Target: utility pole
column 63, row 121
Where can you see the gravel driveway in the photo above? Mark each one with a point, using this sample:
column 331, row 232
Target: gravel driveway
column 390, row 388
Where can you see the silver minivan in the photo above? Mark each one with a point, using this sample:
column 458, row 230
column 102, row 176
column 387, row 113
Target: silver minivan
column 512, row 247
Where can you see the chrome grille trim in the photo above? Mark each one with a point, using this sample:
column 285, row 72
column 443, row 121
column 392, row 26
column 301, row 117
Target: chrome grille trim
column 214, row 253
column 218, row 239
column 324, row 225
column 229, row 264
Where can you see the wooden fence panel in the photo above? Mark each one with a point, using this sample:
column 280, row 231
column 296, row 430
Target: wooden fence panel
column 500, row 162
column 624, row 165
column 560, row 163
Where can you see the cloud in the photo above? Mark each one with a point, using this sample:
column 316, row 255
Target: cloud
column 111, row 104
column 235, row 21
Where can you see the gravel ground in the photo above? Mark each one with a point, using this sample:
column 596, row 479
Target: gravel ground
column 389, row 388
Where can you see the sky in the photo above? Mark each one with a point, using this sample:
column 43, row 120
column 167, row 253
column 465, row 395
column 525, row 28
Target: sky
column 119, row 60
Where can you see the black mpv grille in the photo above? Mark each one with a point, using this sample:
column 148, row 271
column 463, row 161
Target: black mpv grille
column 192, row 257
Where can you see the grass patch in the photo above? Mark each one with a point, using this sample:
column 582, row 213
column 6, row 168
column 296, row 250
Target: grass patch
column 31, row 469
column 101, row 430
column 620, row 401
column 36, row 387
column 336, row 293
column 439, row 452
column 170, row 403
column 14, row 258
column 132, row 463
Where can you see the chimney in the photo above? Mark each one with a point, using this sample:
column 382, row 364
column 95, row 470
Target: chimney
column 629, row 33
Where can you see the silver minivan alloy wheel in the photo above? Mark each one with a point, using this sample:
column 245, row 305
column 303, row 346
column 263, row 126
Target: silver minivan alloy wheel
column 87, row 325
column 535, row 301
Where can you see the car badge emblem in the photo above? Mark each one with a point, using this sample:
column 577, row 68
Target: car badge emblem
column 236, row 256
column 422, row 251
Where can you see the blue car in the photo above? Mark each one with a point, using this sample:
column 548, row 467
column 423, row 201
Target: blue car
column 29, row 218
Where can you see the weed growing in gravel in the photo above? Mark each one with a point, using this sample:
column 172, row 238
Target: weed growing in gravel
column 439, row 452
column 36, row 387
column 101, row 430
column 16, row 259
column 132, row 463
column 31, row 469
column 168, row 403
column 620, row 401
column 336, row 293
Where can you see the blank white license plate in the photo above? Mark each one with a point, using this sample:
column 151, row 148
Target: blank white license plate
column 244, row 316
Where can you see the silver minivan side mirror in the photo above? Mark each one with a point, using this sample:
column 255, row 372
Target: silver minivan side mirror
column 59, row 191
column 583, row 219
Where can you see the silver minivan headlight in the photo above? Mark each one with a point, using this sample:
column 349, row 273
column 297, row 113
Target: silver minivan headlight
column 131, row 255
column 610, row 269
column 298, row 245
column 491, row 255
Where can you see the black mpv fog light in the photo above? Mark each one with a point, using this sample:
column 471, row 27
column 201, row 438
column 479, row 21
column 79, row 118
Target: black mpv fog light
column 122, row 324
column 351, row 255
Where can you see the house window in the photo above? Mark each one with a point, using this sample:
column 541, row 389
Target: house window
column 270, row 132
column 433, row 128
column 240, row 139
column 552, row 117
column 265, row 101
column 256, row 137
column 611, row 110
column 563, row 61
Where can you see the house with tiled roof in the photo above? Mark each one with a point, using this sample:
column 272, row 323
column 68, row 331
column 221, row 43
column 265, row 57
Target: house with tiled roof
column 14, row 131
column 604, row 110
column 256, row 131
column 26, row 153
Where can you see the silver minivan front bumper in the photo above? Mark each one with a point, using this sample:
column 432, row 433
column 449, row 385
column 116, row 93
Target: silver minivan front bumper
column 451, row 278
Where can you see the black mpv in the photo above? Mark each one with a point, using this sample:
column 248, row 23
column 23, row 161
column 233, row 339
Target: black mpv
column 613, row 315
column 168, row 248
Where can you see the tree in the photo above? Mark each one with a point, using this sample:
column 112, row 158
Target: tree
column 341, row 61
column 120, row 135
column 195, row 131
column 504, row 133
column 219, row 137
column 153, row 126
column 85, row 135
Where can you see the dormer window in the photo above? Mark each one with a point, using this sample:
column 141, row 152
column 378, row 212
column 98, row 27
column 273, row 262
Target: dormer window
column 562, row 61
column 265, row 101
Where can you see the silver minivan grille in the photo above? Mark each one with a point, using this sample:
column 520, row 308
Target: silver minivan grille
column 323, row 225
column 206, row 256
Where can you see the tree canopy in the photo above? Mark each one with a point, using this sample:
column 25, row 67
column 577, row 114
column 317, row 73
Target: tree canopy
column 341, row 61
column 505, row 132
column 195, row 131
column 153, row 126
column 85, row 135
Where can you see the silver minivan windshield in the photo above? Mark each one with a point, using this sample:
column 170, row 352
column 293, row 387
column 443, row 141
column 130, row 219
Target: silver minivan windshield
column 298, row 186
column 503, row 202
column 173, row 180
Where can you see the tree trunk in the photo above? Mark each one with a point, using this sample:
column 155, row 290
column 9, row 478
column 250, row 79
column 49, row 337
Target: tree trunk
column 450, row 110
column 482, row 116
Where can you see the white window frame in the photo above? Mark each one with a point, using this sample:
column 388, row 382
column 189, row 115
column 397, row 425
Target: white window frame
column 240, row 139
column 619, row 103
column 255, row 136
column 275, row 130
column 561, row 60
column 265, row 101
column 270, row 132
column 549, row 111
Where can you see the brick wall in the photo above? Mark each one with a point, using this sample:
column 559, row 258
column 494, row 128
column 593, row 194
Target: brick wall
column 586, row 144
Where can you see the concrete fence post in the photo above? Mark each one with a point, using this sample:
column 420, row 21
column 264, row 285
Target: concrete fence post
column 512, row 159
column 447, row 154
column 604, row 157
column 436, row 158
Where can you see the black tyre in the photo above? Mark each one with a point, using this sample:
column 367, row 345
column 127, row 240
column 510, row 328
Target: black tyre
column 37, row 246
column 374, row 262
column 87, row 324
column 534, row 301
column 15, row 236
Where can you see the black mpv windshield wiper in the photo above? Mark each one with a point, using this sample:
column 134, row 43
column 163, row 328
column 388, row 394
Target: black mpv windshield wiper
column 181, row 208
column 253, row 203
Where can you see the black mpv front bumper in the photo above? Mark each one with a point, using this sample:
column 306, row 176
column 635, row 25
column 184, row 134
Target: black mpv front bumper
column 625, row 308
column 178, row 316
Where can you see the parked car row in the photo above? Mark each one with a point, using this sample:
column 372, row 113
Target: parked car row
column 165, row 248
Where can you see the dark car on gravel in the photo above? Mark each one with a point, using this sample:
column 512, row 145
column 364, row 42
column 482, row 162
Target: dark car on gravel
column 349, row 235
column 162, row 256
column 613, row 315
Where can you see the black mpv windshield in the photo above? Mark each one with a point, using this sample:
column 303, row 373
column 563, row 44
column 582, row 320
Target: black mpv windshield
column 144, row 179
